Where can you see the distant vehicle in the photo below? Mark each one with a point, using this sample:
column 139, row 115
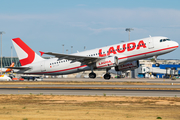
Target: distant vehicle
column 101, row 58
column 32, row 77
column 5, row 78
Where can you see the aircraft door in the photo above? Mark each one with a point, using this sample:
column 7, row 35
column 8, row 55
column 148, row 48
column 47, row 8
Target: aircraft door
column 43, row 66
column 151, row 43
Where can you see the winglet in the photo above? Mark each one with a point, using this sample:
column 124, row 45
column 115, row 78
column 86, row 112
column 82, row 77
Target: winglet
column 41, row 53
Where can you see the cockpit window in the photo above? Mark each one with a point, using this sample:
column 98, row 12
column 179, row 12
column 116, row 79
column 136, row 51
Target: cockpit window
column 163, row 40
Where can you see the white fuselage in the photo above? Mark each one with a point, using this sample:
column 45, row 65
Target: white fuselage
column 133, row 50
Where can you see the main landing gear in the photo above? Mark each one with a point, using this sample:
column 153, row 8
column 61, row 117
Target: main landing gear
column 92, row 75
column 107, row 76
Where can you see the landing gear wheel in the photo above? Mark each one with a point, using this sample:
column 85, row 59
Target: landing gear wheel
column 92, row 75
column 107, row 76
column 157, row 64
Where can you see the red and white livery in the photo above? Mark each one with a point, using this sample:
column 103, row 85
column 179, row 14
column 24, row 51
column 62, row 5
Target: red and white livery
column 105, row 57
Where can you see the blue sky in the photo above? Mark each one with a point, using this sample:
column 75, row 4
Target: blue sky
column 47, row 24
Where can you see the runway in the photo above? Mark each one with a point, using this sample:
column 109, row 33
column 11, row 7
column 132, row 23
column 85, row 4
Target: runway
column 167, row 90
column 93, row 92
column 146, row 80
column 86, row 86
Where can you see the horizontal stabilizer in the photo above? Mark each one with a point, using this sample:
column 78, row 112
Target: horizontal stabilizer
column 20, row 68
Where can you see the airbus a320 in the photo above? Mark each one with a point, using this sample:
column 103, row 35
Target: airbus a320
column 100, row 58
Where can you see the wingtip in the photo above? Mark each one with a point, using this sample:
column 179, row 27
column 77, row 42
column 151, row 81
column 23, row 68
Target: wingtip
column 41, row 53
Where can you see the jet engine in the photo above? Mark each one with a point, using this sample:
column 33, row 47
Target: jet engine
column 107, row 62
column 127, row 66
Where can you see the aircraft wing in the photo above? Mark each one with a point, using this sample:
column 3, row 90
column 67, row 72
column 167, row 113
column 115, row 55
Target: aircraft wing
column 84, row 59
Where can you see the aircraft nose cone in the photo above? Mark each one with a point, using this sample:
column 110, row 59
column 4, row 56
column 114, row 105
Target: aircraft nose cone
column 176, row 44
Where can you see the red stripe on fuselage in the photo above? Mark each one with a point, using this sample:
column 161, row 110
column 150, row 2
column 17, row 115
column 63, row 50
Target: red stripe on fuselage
column 60, row 70
column 148, row 52
column 104, row 65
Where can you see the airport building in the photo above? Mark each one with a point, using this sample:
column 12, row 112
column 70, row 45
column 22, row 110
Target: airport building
column 6, row 61
column 167, row 68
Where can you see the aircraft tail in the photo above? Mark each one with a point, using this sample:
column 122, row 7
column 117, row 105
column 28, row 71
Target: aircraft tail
column 25, row 54
column 8, row 69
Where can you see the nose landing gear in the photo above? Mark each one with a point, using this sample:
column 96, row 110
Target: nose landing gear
column 156, row 64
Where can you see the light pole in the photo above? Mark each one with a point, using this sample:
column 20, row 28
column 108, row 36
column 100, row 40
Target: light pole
column 67, row 51
column 84, row 48
column 1, row 50
column 11, row 53
column 63, row 48
column 71, row 49
column 129, row 30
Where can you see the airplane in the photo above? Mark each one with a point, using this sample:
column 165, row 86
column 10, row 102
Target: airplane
column 5, row 70
column 5, row 77
column 116, row 56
